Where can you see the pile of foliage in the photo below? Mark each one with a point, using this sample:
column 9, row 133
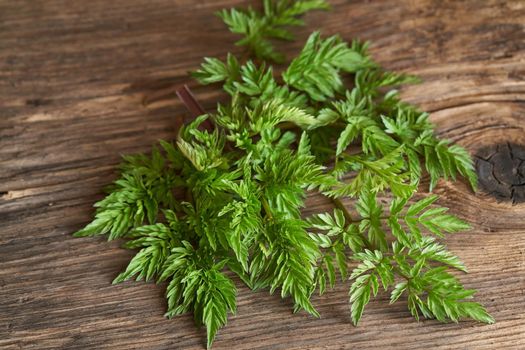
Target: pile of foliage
column 331, row 123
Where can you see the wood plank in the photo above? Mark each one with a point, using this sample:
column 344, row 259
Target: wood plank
column 72, row 80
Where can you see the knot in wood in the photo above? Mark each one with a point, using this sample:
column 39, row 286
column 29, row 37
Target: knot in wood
column 501, row 171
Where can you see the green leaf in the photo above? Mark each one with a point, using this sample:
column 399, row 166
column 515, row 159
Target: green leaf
column 443, row 222
column 258, row 29
column 345, row 139
column 316, row 70
column 218, row 299
column 417, row 207
column 359, row 297
column 429, row 249
column 156, row 242
column 397, row 292
column 476, row 312
column 377, row 175
column 214, row 70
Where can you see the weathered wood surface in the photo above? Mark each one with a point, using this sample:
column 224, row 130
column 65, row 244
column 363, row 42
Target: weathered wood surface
column 72, row 78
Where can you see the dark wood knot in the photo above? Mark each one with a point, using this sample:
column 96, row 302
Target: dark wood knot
column 501, row 171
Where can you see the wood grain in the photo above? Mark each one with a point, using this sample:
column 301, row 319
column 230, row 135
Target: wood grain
column 73, row 76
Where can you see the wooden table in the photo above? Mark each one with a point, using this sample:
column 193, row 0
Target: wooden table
column 73, row 75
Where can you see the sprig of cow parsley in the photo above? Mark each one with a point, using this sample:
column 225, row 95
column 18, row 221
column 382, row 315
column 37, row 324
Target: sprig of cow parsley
column 227, row 200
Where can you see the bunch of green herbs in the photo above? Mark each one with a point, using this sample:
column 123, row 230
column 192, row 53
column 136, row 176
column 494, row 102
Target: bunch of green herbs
column 332, row 123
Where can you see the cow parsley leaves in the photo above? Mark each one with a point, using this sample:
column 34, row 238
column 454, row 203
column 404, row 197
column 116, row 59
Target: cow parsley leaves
column 226, row 200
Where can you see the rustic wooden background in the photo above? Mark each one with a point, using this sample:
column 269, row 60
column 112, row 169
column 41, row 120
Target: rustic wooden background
column 73, row 75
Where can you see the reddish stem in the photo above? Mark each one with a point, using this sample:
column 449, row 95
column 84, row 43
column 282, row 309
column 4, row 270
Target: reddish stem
column 192, row 105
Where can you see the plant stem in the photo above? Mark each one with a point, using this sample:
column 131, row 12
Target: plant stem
column 192, row 105
column 339, row 205
column 266, row 207
column 400, row 273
